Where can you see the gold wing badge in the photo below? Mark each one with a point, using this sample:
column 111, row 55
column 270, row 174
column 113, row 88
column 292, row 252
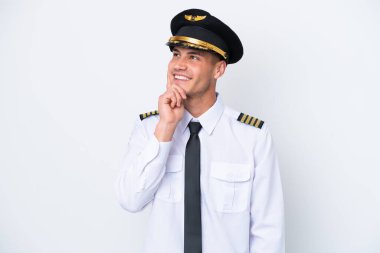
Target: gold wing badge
column 194, row 18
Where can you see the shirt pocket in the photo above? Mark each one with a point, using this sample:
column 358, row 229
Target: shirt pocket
column 170, row 188
column 230, row 186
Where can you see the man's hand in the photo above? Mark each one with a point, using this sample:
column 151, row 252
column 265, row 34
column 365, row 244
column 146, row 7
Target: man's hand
column 171, row 109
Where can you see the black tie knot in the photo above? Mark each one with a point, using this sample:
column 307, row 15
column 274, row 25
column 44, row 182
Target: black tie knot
column 195, row 127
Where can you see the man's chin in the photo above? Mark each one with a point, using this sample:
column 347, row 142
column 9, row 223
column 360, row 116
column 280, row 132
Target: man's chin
column 182, row 83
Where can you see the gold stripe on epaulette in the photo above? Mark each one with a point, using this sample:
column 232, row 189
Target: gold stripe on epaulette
column 249, row 120
column 148, row 114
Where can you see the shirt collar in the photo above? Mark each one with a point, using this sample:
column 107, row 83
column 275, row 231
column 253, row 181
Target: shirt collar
column 208, row 119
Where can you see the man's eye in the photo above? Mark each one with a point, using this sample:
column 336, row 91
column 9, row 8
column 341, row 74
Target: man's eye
column 175, row 54
column 194, row 57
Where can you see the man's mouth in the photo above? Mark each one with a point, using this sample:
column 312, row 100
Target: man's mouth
column 181, row 77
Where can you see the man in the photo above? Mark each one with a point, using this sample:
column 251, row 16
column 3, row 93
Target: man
column 210, row 172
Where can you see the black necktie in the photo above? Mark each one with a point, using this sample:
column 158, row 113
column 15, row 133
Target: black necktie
column 193, row 223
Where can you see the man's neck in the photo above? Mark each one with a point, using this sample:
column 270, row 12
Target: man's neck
column 196, row 106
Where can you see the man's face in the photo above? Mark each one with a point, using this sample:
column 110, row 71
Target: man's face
column 194, row 70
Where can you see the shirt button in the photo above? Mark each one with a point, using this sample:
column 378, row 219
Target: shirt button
column 177, row 196
column 227, row 206
column 230, row 175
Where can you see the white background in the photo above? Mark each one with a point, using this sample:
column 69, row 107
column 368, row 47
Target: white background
column 75, row 74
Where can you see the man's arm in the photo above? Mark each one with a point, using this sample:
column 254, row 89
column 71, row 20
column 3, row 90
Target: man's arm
column 142, row 169
column 267, row 207
column 144, row 164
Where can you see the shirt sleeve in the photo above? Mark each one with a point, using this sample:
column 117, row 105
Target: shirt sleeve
column 267, row 208
column 142, row 169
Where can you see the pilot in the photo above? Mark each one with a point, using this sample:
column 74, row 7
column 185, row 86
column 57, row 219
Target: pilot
column 209, row 172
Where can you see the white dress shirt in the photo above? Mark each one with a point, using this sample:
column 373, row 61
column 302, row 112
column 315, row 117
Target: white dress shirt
column 241, row 192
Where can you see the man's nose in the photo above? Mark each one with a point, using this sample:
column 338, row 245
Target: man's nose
column 180, row 64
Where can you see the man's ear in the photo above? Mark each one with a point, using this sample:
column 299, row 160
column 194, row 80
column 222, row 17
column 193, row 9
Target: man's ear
column 220, row 68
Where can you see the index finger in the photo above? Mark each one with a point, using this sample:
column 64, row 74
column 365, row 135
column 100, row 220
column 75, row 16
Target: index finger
column 180, row 90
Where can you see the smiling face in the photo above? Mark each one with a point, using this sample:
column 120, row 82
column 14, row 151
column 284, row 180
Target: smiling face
column 196, row 71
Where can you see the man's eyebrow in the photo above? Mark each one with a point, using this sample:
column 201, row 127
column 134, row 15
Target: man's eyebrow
column 196, row 52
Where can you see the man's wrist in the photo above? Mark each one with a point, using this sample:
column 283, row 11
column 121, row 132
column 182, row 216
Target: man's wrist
column 164, row 131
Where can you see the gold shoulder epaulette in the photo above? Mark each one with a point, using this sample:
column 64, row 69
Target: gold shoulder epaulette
column 249, row 120
column 148, row 114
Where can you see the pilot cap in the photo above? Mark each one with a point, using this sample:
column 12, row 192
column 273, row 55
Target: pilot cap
column 195, row 28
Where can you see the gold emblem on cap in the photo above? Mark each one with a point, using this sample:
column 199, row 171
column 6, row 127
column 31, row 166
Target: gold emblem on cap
column 194, row 18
